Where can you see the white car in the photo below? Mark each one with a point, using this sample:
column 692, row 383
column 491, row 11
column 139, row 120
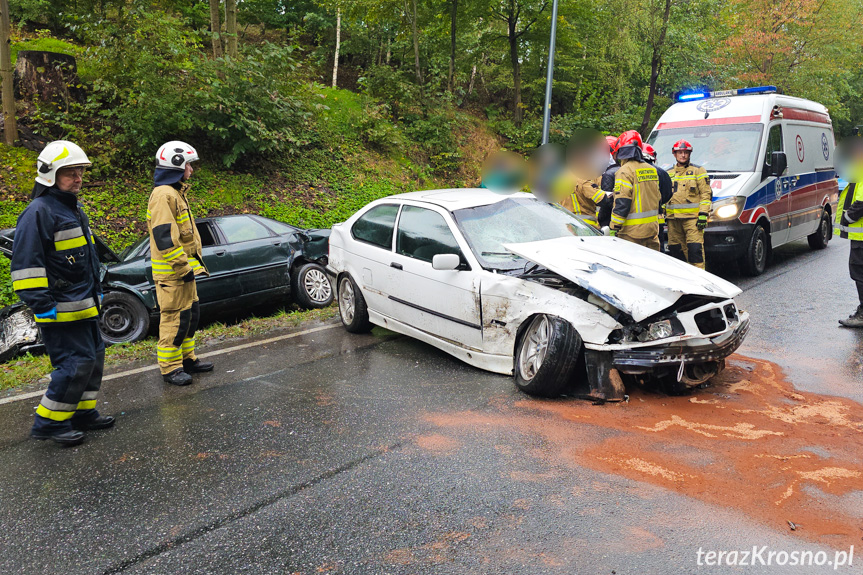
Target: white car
column 514, row 285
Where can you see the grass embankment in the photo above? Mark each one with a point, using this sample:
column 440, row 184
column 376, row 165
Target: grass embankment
column 29, row 369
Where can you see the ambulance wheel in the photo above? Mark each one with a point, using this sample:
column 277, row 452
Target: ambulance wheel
column 124, row 318
column 754, row 261
column 818, row 240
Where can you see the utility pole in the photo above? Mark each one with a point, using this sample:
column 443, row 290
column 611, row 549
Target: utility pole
column 546, row 113
column 10, row 127
column 338, row 45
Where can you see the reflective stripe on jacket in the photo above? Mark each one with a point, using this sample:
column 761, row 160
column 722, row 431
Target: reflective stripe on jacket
column 54, row 259
column 692, row 194
column 636, row 200
column 175, row 244
column 583, row 198
column 851, row 206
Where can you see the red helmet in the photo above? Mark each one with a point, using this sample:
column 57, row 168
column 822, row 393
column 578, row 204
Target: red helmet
column 628, row 138
column 648, row 150
column 681, row 145
column 612, row 142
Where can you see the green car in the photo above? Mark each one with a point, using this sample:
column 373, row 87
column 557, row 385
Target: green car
column 251, row 259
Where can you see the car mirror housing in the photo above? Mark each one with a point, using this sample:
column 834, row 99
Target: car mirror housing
column 778, row 164
column 446, row 262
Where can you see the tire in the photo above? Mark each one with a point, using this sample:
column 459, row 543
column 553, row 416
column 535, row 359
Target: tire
column 311, row 286
column 124, row 318
column 547, row 357
column 819, row 240
column 352, row 306
column 754, row 261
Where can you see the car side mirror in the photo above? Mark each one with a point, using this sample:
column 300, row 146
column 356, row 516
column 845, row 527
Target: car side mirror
column 446, row 262
column 778, row 164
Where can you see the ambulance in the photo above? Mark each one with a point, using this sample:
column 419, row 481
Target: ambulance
column 770, row 161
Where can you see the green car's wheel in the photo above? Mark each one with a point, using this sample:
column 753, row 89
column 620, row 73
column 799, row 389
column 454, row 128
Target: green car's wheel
column 124, row 318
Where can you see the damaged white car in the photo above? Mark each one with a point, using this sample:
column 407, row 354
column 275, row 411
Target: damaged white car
column 513, row 285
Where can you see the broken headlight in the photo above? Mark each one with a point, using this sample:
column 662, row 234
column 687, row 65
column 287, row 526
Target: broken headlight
column 657, row 330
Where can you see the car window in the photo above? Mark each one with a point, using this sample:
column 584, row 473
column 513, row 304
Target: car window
column 242, row 229
column 774, row 143
column 423, row 234
column 205, row 230
column 376, row 226
column 279, row 227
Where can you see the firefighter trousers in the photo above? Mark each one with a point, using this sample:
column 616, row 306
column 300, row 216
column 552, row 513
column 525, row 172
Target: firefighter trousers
column 685, row 232
column 178, row 304
column 77, row 355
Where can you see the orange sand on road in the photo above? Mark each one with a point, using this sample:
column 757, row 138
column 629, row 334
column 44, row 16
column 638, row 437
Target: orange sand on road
column 749, row 442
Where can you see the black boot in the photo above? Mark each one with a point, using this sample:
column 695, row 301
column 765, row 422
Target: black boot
column 100, row 422
column 855, row 319
column 68, row 438
column 177, row 377
column 197, row 366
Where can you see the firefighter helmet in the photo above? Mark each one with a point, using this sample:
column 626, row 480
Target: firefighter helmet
column 56, row 155
column 175, row 155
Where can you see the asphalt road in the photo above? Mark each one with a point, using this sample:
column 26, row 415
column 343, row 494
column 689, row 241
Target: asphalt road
column 334, row 453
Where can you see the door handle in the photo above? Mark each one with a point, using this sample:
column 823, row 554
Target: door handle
column 277, row 244
column 395, row 265
column 220, row 253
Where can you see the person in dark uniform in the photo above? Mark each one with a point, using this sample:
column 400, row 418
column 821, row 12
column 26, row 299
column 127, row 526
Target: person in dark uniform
column 849, row 216
column 55, row 271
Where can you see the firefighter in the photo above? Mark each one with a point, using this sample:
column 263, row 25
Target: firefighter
column 587, row 156
column 175, row 248
column 55, row 271
column 849, row 216
column 635, row 215
column 665, row 191
column 687, row 211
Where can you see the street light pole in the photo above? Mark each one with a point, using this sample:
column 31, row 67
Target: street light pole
column 546, row 114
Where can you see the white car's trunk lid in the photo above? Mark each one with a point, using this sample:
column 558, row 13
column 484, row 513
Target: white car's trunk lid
column 632, row 278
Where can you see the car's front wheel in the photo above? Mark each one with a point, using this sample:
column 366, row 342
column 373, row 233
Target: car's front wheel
column 124, row 318
column 547, row 356
column 311, row 286
column 821, row 237
column 352, row 306
column 754, row 261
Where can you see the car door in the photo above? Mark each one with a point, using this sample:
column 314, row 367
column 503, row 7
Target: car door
column 779, row 207
column 444, row 303
column 370, row 255
column 223, row 282
column 259, row 255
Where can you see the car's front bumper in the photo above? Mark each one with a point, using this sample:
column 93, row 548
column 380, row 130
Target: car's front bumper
column 720, row 347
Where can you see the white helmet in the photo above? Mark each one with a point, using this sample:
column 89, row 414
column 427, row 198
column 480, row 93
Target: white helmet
column 175, row 155
column 56, row 155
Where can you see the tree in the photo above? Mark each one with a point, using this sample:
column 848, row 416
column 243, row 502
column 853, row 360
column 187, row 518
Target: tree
column 452, row 31
column 216, row 28
column 338, row 42
column 231, row 27
column 10, row 127
column 510, row 13
column 657, row 18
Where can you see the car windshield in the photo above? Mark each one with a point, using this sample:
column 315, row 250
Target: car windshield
column 513, row 221
column 723, row 148
column 133, row 248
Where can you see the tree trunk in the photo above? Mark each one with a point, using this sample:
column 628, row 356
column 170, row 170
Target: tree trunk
column 415, row 34
column 338, row 43
column 231, row 27
column 47, row 76
column 472, row 78
column 452, row 30
column 389, row 49
column 216, row 28
column 10, row 127
column 516, row 71
column 655, row 67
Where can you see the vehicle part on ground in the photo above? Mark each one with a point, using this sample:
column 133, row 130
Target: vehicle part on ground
column 124, row 319
column 352, row 306
column 548, row 356
column 754, row 260
column 819, row 240
column 18, row 332
column 311, row 286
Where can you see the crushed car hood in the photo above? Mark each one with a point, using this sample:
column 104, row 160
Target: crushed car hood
column 632, row 278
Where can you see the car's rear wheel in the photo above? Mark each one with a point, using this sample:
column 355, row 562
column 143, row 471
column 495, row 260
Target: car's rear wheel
column 819, row 240
column 754, row 261
column 352, row 306
column 124, row 318
column 311, row 286
column 547, row 356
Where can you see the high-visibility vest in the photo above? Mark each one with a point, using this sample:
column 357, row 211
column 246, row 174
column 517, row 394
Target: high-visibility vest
column 852, row 193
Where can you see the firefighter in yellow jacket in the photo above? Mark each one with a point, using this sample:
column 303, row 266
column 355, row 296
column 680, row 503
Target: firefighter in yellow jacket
column 587, row 158
column 687, row 211
column 635, row 216
column 175, row 250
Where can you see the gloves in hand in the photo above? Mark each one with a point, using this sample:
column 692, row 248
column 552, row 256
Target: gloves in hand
column 189, row 277
column 50, row 314
column 606, row 231
column 702, row 222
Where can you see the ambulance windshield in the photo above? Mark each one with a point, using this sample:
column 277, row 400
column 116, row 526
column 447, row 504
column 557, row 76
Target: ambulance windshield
column 723, row 148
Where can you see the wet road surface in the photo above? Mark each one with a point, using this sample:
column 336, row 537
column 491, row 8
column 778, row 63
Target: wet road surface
column 336, row 453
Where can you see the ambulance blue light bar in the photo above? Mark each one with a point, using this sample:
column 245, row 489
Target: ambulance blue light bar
column 702, row 94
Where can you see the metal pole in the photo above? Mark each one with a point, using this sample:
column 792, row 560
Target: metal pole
column 546, row 114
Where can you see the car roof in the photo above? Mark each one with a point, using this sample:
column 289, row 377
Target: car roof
column 459, row 198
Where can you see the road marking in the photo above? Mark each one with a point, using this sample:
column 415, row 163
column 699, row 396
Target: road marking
column 153, row 367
